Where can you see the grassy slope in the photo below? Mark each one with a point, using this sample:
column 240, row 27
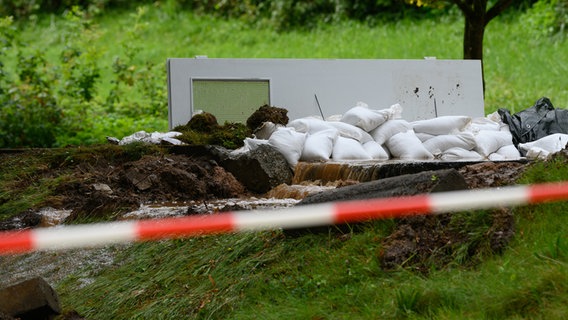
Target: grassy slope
column 266, row 275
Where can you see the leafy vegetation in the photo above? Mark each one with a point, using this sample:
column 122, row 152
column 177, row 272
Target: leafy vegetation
column 77, row 75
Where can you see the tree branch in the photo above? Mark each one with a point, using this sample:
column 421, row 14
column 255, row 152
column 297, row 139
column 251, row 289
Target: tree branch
column 497, row 8
column 465, row 6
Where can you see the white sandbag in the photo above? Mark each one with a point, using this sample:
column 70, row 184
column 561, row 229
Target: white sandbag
column 350, row 131
column 319, row 145
column 253, row 144
column 368, row 119
column 496, row 157
column 509, row 152
column 334, row 117
column 457, row 154
column 289, row 143
column 537, row 153
column 407, row 146
column 441, row 143
column 441, row 125
column 364, row 118
column 348, row 149
column 266, row 130
column 249, row 144
column 388, row 129
column 424, row 136
column 551, row 143
column 482, row 123
column 488, row 141
column 309, row 125
column 375, row 150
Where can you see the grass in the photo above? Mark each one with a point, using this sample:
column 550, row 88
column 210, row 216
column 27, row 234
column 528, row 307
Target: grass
column 271, row 275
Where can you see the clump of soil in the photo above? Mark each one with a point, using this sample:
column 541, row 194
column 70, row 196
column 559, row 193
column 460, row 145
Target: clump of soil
column 267, row 113
column 162, row 179
column 423, row 242
column 202, row 122
column 112, row 181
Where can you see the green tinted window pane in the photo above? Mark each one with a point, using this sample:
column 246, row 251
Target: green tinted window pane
column 230, row 100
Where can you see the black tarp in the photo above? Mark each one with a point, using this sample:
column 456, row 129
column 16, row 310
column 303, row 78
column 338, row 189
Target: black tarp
column 536, row 122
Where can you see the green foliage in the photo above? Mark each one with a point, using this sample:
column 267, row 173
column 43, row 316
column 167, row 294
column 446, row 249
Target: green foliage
column 290, row 14
column 28, row 8
column 547, row 18
column 29, row 113
column 59, row 102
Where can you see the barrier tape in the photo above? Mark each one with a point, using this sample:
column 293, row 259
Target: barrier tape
column 90, row 235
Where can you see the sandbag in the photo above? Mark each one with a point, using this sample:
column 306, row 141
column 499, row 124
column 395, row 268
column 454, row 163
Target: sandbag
column 348, row 149
column 309, row 125
column 551, row 143
column 289, row 143
column 319, row 145
column 441, row 125
column 488, row 141
column 375, row 150
column 482, row 123
column 388, row 129
column 350, row 131
column 456, row 154
column 266, row 130
column 441, row 143
column 509, row 152
column 536, row 122
column 368, row 119
column 407, row 146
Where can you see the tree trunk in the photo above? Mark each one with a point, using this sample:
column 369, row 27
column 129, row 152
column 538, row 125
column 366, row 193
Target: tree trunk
column 473, row 38
column 476, row 19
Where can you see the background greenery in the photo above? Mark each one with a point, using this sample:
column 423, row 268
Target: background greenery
column 74, row 72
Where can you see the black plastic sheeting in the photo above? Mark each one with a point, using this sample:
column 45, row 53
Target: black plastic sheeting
column 535, row 122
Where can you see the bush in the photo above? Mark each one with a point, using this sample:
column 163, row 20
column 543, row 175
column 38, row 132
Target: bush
column 26, row 8
column 287, row 14
column 57, row 104
column 547, row 18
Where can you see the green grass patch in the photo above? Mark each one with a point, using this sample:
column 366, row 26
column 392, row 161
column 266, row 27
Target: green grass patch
column 273, row 275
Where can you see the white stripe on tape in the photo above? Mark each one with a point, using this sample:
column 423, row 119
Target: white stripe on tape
column 478, row 199
column 79, row 236
column 295, row 217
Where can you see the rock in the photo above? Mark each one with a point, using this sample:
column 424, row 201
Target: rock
column 31, row 299
column 259, row 170
column 403, row 185
column 103, row 187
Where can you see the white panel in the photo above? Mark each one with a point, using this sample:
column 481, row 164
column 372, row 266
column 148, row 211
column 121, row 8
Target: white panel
column 424, row 88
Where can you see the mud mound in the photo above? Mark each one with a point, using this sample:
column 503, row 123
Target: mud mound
column 424, row 242
column 104, row 191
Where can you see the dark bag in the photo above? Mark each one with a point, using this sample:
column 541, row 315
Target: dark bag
column 535, row 122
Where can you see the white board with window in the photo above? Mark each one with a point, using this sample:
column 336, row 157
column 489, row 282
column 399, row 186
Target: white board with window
column 232, row 89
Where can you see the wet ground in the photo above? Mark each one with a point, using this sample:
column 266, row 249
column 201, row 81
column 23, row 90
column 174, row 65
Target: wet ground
column 173, row 185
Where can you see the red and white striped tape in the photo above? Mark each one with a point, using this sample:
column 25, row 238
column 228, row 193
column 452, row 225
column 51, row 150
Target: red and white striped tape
column 78, row 236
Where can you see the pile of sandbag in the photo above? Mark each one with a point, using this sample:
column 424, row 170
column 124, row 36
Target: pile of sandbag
column 364, row 133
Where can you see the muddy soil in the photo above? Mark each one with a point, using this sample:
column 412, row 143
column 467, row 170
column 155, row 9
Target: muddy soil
column 105, row 187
